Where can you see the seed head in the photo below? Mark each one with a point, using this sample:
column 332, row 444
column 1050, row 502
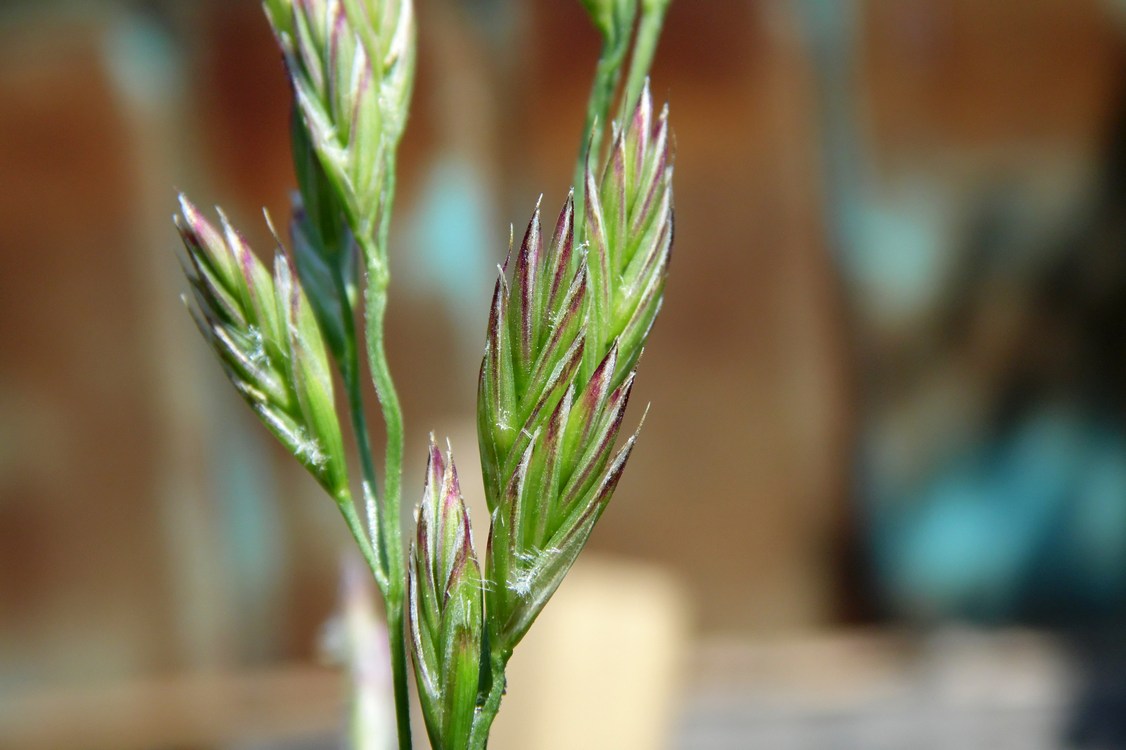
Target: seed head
column 263, row 330
column 351, row 63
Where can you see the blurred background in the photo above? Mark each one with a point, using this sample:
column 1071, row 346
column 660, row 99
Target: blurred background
column 880, row 498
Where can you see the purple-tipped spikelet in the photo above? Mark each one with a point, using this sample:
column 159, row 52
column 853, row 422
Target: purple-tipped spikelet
column 264, row 332
column 565, row 332
column 629, row 226
column 445, row 607
column 534, row 347
column 351, row 63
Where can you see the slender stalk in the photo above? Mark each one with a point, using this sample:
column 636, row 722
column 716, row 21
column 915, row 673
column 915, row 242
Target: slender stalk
column 399, row 674
column 644, row 48
column 379, row 560
column 487, row 712
column 356, row 526
column 352, row 384
column 389, row 520
column 385, row 388
column 606, row 77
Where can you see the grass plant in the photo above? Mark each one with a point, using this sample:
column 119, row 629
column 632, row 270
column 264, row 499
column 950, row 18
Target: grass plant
column 569, row 318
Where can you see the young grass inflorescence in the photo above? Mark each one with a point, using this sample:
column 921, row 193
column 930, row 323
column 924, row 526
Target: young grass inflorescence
column 569, row 317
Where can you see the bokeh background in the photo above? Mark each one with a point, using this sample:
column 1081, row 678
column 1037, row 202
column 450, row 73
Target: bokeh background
column 880, row 497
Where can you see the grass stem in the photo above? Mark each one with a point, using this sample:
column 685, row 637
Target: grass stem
column 391, row 500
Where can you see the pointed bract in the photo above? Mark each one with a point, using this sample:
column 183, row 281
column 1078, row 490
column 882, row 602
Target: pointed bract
column 629, row 223
column 445, row 607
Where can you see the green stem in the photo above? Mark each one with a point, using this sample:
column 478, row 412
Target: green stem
column 384, row 550
column 606, row 76
column 644, row 48
column 389, row 520
column 378, row 564
column 487, row 711
column 399, row 675
column 385, row 386
column 375, row 254
column 356, row 526
column 393, row 422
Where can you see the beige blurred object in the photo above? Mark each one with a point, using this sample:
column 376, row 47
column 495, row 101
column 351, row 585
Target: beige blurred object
column 600, row 669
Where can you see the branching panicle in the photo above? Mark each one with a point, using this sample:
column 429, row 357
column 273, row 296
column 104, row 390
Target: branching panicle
column 569, row 317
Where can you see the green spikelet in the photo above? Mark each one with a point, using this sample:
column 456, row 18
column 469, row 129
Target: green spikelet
column 629, row 226
column 264, row 332
column 445, row 607
column 565, row 332
column 351, row 63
